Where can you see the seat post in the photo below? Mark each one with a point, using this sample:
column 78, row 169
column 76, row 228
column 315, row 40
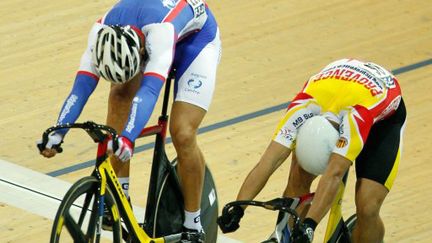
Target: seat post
column 171, row 76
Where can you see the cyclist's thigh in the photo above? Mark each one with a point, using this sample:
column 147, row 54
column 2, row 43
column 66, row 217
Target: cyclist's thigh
column 196, row 61
column 369, row 196
column 119, row 102
column 299, row 180
column 379, row 159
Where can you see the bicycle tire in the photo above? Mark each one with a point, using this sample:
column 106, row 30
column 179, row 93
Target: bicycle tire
column 87, row 187
column 209, row 208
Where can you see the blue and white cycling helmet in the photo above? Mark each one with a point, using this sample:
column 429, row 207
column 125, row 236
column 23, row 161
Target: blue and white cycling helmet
column 116, row 53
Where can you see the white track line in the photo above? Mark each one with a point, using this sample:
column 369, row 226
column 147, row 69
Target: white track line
column 38, row 193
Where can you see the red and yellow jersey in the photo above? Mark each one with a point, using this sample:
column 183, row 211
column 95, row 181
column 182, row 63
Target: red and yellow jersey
column 350, row 92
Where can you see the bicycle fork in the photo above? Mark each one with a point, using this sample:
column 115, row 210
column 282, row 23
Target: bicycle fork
column 101, row 204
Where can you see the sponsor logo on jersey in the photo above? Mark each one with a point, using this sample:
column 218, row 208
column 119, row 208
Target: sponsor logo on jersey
column 193, row 86
column 169, row 3
column 132, row 116
column 69, row 103
column 341, row 129
column 342, row 142
column 287, row 134
column 198, row 7
column 355, row 74
column 394, row 104
column 381, row 74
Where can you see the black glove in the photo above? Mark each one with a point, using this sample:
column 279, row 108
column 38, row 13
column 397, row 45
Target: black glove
column 304, row 232
column 229, row 221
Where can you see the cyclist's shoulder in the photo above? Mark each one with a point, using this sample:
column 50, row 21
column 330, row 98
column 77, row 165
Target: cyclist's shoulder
column 138, row 12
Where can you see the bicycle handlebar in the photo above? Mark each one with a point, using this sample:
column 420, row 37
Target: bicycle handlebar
column 278, row 204
column 94, row 130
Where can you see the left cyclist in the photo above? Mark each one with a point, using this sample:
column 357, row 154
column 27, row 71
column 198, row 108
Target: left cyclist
column 134, row 46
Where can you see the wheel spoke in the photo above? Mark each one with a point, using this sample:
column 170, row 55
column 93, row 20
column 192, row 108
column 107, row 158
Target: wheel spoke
column 79, row 221
column 85, row 207
column 93, row 219
column 74, row 229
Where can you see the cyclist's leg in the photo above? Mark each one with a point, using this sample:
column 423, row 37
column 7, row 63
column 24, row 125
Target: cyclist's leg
column 299, row 183
column 196, row 61
column 119, row 102
column 376, row 169
column 185, row 120
column 369, row 197
column 299, row 180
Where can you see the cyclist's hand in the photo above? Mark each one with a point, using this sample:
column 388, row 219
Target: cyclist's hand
column 52, row 146
column 303, row 233
column 123, row 150
column 229, row 221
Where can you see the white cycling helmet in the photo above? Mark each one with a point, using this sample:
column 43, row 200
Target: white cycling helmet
column 116, row 53
column 316, row 139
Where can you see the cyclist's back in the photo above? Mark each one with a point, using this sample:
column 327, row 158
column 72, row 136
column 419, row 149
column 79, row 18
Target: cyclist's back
column 144, row 12
column 349, row 82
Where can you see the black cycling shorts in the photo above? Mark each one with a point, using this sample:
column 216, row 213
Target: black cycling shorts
column 379, row 159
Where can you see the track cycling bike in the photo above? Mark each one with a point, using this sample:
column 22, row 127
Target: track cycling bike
column 338, row 230
column 80, row 215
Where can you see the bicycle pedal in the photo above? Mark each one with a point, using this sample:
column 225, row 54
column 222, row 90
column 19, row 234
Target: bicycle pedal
column 192, row 236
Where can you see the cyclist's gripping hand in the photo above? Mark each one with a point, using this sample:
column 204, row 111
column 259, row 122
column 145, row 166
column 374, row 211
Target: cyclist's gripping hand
column 229, row 221
column 123, row 150
column 52, row 145
column 304, row 232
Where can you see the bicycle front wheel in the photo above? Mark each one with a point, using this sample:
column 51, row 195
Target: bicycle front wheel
column 78, row 214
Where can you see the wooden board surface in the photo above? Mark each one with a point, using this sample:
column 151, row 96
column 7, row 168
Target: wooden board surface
column 269, row 49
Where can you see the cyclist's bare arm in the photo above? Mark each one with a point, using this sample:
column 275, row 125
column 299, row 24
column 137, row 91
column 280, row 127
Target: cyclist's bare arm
column 328, row 186
column 273, row 157
column 355, row 127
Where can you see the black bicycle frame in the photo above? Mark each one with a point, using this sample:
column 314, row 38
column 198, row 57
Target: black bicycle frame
column 160, row 162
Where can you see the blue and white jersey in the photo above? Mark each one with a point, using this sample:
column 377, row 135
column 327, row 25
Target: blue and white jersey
column 164, row 24
column 185, row 16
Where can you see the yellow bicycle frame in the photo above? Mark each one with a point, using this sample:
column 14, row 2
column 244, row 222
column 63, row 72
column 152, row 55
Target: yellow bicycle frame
column 107, row 173
column 336, row 211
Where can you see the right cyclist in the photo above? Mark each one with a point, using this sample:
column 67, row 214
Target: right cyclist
column 363, row 102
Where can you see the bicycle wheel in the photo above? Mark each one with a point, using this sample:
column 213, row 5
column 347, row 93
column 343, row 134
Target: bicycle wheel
column 78, row 214
column 209, row 207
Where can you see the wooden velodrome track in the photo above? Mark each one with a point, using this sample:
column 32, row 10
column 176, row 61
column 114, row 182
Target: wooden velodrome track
column 269, row 49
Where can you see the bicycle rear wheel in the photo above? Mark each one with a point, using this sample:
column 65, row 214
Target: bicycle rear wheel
column 77, row 214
